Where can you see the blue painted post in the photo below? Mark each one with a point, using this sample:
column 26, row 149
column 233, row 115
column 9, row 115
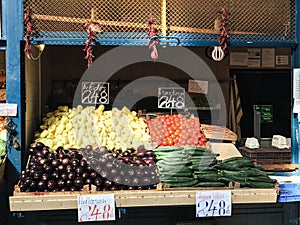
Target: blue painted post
column 295, row 122
column 14, row 86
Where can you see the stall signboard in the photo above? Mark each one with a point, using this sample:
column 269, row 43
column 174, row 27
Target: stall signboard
column 96, row 207
column 94, row 92
column 266, row 113
column 171, row 98
column 213, row 203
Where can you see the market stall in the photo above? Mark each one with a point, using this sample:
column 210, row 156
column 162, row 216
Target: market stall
column 132, row 56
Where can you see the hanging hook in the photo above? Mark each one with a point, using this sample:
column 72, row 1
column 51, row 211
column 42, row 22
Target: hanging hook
column 166, row 37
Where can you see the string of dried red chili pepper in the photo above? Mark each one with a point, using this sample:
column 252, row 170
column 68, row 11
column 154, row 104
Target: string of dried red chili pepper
column 30, row 30
column 224, row 37
column 151, row 33
column 91, row 37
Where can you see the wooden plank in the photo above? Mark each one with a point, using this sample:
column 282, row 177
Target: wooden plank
column 279, row 167
column 169, row 197
column 218, row 133
column 128, row 24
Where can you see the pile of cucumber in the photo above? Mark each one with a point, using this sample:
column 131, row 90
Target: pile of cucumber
column 178, row 165
column 244, row 171
column 194, row 166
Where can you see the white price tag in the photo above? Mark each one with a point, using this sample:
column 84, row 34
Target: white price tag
column 7, row 109
column 213, row 203
column 171, row 98
column 96, row 207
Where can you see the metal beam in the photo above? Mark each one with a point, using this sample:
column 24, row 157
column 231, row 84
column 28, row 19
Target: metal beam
column 14, row 85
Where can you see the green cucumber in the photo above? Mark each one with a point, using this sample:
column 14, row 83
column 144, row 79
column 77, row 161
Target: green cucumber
column 237, row 160
column 191, row 183
column 177, row 174
column 253, row 184
column 177, row 180
column 167, row 149
column 195, row 148
column 210, row 184
column 265, row 179
column 207, row 177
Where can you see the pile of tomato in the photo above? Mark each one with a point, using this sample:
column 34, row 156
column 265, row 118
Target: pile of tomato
column 176, row 130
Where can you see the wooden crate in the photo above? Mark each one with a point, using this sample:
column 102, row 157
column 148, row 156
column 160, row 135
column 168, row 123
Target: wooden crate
column 218, row 133
column 268, row 154
column 136, row 198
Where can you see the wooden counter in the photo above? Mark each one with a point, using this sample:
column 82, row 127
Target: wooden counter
column 169, row 197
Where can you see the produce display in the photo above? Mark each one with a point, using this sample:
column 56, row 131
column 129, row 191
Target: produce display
column 72, row 169
column 244, row 171
column 176, row 130
column 79, row 127
column 194, row 166
column 116, row 150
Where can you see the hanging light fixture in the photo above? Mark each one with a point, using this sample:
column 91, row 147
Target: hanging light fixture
column 40, row 48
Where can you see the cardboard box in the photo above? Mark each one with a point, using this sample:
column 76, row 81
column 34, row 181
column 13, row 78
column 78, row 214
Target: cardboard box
column 289, row 192
column 289, row 188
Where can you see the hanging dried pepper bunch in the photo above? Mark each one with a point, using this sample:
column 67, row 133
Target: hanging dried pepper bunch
column 91, row 37
column 30, row 30
column 224, row 37
column 151, row 33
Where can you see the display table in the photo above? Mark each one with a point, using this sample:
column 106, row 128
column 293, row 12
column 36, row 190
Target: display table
column 169, row 197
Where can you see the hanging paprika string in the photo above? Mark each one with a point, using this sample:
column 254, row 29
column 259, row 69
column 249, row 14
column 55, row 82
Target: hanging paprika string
column 91, row 37
column 224, row 37
column 30, row 31
column 151, row 33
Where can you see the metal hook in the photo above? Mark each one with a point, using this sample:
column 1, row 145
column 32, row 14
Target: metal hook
column 166, row 37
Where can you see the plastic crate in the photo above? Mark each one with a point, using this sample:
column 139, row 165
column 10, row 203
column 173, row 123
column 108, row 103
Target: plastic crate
column 267, row 154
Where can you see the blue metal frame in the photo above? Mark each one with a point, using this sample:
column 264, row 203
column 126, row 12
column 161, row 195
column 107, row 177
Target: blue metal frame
column 13, row 12
column 141, row 39
column 295, row 122
column 12, row 35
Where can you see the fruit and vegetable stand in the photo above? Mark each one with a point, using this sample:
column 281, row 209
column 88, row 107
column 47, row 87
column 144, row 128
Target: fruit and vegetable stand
column 51, row 181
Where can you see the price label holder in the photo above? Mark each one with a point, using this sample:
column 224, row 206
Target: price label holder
column 213, row 203
column 171, row 98
column 94, row 92
column 96, row 207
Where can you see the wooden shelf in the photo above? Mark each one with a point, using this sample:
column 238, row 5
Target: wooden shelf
column 169, row 197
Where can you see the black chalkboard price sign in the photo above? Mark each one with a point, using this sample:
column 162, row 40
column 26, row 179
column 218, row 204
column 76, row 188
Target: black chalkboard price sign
column 171, row 98
column 94, row 92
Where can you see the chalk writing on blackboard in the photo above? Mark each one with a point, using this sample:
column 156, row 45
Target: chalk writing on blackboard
column 94, row 93
column 171, row 98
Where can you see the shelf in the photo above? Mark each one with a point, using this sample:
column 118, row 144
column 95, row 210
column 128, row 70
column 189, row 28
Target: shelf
column 172, row 197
